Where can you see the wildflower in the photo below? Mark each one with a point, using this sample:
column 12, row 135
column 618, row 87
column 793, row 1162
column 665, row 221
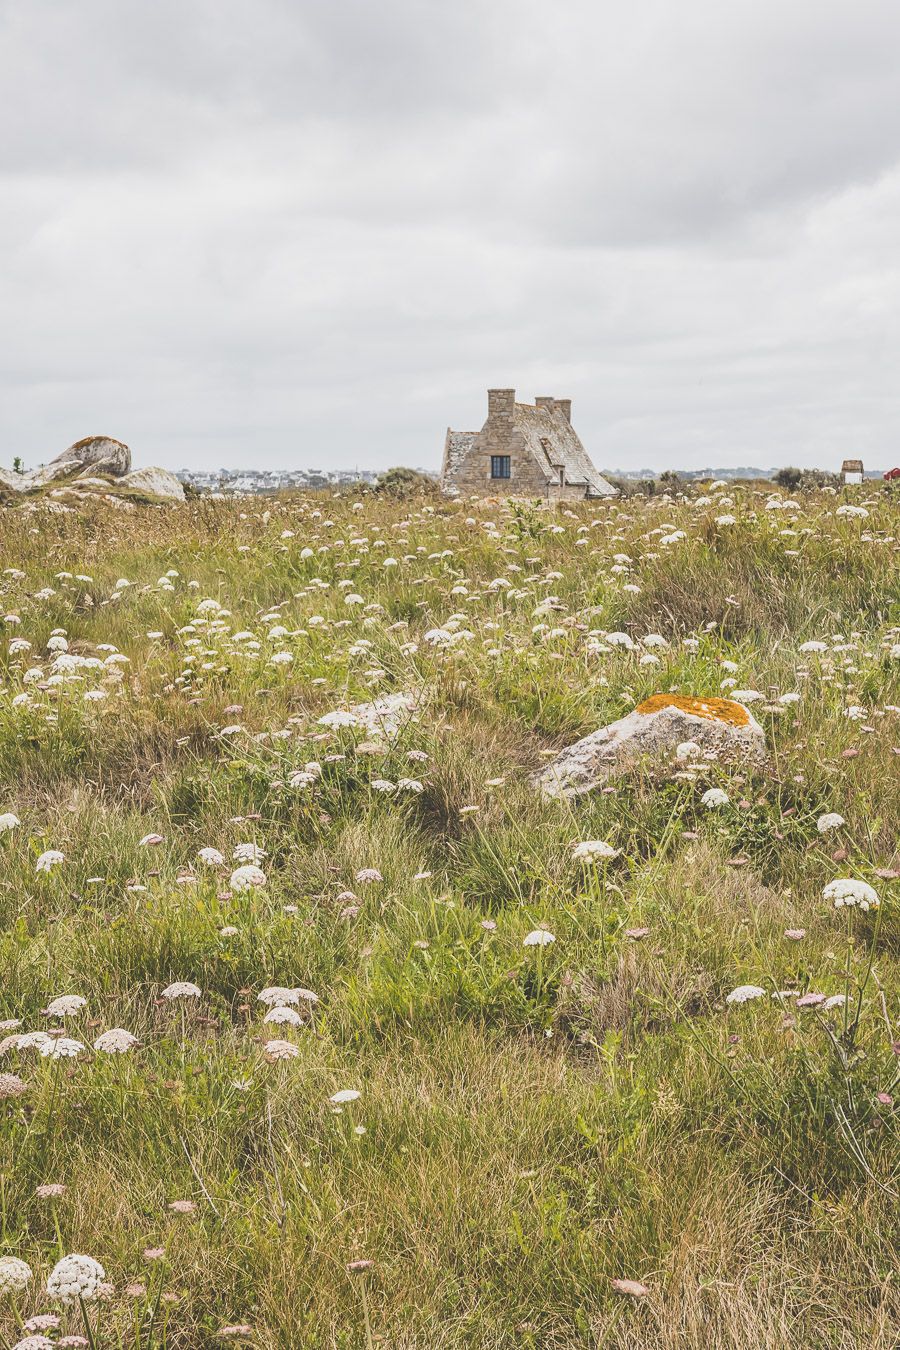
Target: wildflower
column 116, row 1041
column 237, row 1331
column 73, row 1341
column 247, row 878
column 844, row 891
column 41, row 1322
column 228, row 931
column 275, row 1050
column 136, row 1289
column 50, row 858
column 50, row 1190
column 248, row 853
column 181, row 989
column 594, row 850
column 795, row 934
column 714, row 797
column 9, row 821
column 339, row 718
column 344, row 1095
column 38, row 1342
column 830, row 821
column 151, row 840
column 282, row 1016
column 11, row 1085
column 538, row 937
column 277, row 996
column 63, row 1048
column 33, row 1040
column 211, row 856
column 359, row 1267
column 369, row 874
column 14, row 1275
column 182, row 1206
column 66, row 1005
column 744, row 993
column 74, row 1278
column 154, row 1253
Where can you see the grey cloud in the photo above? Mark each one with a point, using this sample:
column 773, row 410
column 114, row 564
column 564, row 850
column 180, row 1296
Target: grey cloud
column 292, row 232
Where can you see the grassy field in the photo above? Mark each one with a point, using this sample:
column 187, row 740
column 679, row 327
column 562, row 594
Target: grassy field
column 517, row 1125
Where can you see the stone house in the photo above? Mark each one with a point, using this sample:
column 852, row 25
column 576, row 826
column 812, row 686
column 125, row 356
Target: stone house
column 523, row 450
column 852, row 470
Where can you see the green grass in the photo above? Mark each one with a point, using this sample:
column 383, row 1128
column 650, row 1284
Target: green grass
column 533, row 1123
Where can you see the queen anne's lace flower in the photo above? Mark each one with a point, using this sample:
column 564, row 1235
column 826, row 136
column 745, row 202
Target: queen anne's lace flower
column 116, row 1041
column 846, row 891
column 713, row 797
column 50, row 858
column 594, row 850
column 744, row 993
column 181, row 989
column 247, row 878
column 75, row 1277
column 66, row 1005
column 211, row 856
column 14, row 1275
column 344, row 1095
column 830, row 821
column 9, row 821
column 63, row 1047
column 538, row 937
column 280, row 1050
column 282, row 1016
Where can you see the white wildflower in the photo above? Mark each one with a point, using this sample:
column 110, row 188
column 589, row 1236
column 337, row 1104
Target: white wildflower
column 116, row 1041
column 538, row 937
column 844, row 891
column 14, row 1275
column 51, row 858
column 181, row 989
column 744, row 993
column 831, row 820
column 75, row 1278
column 247, row 878
column 713, row 797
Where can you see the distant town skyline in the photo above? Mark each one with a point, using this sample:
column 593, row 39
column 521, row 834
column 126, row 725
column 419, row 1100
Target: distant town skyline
column 291, row 233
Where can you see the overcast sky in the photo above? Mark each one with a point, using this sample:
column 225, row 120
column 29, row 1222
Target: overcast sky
column 307, row 233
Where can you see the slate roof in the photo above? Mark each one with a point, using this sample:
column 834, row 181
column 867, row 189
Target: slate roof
column 554, row 443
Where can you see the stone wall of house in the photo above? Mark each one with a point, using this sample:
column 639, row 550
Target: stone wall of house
column 499, row 436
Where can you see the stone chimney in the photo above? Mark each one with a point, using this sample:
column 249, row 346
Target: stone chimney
column 501, row 403
column 545, row 402
column 565, row 407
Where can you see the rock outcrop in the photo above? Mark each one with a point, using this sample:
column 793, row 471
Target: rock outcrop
column 96, row 466
column 721, row 729
column 154, row 482
column 100, row 454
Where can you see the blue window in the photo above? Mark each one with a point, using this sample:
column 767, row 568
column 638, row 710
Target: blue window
column 499, row 466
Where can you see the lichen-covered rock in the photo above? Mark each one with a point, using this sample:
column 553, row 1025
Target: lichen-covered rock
column 94, row 451
column 154, row 482
column 720, row 727
column 15, row 482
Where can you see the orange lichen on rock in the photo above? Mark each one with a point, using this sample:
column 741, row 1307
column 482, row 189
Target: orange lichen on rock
column 715, row 709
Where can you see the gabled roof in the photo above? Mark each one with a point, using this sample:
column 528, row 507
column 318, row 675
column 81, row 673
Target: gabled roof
column 554, row 443
column 852, row 466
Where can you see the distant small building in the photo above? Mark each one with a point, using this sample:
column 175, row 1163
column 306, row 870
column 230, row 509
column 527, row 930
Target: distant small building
column 852, row 470
column 523, row 450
